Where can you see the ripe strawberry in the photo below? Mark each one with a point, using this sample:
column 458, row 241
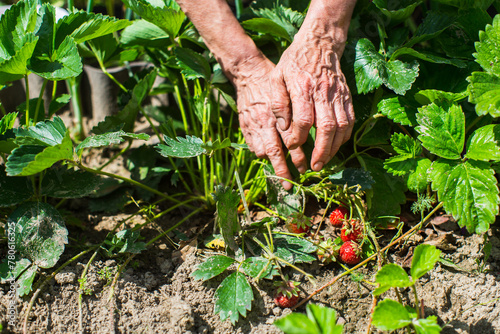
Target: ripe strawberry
column 287, row 294
column 350, row 253
column 352, row 231
column 328, row 251
column 338, row 215
column 298, row 223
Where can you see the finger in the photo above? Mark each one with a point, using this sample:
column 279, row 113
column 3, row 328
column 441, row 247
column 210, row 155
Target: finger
column 280, row 103
column 303, row 114
column 298, row 157
column 342, row 126
column 276, row 155
column 349, row 108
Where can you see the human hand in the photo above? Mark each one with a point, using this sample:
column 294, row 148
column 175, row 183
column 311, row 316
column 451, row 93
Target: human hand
column 257, row 122
column 310, row 89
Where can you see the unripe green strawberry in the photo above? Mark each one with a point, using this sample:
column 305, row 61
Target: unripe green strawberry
column 338, row 215
column 287, row 294
column 328, row 251
column 352, row 231
column 350, row 253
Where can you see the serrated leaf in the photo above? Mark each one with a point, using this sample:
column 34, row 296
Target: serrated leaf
column 7, row 273
column 387, row 193
column 284, row 202
column 293, row 249
column 418, row 178
column 325, row 318
column 400, row 165
column 488, row 47
column 404, row 144
column 389, row 276
column 144, row 33
column 424, row 259
column 40, row 233
column 259, row 267
column 32, row 159
column 434, row 23
column 25, row 281
column 267, row 26
column 428, row 96
column 58, row 103
column 353, row 177
column 182, row 147
column 213, row 266
column 427, row 326
column 233, row 297
column 16, row 66
column 297, row 323
column 399, row 109
column 397, row 11
column 484, row 91
column 108, row 139
column 287, row 18
column 14, row 189
column 17, row 21
column 46, row 133
column 192, row 64
column 442, row 129
column 430, row 57
column 168, row 18
column 390, row 315
column 7, row 122
column 484, row 144
column 468, row 190
column 69, row 183
column 227, row 214
column 372, row 70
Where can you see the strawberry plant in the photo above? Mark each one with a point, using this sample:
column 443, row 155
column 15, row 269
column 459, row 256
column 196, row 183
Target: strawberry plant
column 389, row 314
column 317, row 320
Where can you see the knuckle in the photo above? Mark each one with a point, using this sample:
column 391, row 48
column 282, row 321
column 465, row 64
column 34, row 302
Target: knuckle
column 273, row 150
column 328, row 125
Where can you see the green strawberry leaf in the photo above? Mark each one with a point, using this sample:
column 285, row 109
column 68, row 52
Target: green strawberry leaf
column 25, row 281
column 389, row 276
column 69, row 183
column 297, row 323
column 435, row 22
column 372, row 70
column 484, row 91
column 109, row 138
column 259, row 267
column 284, row 202
column 428, row 96
column 484, row 144
column 19, row 264
column 233, row 297
column 404, row 144
column 418, row 178
column 213, row 266
column 424, row 259
column 144, row 33
column 427, row 326
column 193, row 65
column 325, row 318
column 293, row 249
column 166, row 15
column 227, row 201
column 40, row 233
column 428, row 57
column 57, row 103
column 15, row 190
column 353, row 177
column 45, row 133
column 488, row 47
column 399, row 109
column 442, row 129
column 182, row 147
column 387, row 193
column 390, row 315
column 397, row 11
column 16, row 66
column 7, row 122
column 289, row 19
column 468, row 190
column 267, row 26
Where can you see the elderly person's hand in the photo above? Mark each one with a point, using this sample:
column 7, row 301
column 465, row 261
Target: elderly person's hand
column 309, row 87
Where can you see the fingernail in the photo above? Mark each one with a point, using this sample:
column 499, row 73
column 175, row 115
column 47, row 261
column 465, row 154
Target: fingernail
column 317, row 166
column 301, row 169
column 287, row 185
column 281, row 123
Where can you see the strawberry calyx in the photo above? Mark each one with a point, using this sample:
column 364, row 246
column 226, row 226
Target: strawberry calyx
column 298, row 223
column 352, row 230
column 328, row 251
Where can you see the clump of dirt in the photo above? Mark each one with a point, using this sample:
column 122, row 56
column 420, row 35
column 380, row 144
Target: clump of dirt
column 156, row 294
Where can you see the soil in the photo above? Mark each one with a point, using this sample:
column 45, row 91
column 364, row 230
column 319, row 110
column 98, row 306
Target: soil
column 155, row 293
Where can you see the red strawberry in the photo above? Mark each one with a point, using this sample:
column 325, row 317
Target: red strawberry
column 352, row 231
column 287, row 294
column 350, row 253
column 338, row 215
column 298, row 223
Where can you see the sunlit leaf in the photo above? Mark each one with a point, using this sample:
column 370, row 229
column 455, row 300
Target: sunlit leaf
column 233, row 297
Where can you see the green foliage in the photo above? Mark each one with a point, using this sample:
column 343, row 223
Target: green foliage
column 124, row 241
column 226, row 218
column 182, row 147
column 233, row 297
column 212, row 267
column 319, row 320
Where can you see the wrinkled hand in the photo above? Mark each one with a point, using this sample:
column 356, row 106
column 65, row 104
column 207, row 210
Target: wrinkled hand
column 257, row 122
column 310, row 89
